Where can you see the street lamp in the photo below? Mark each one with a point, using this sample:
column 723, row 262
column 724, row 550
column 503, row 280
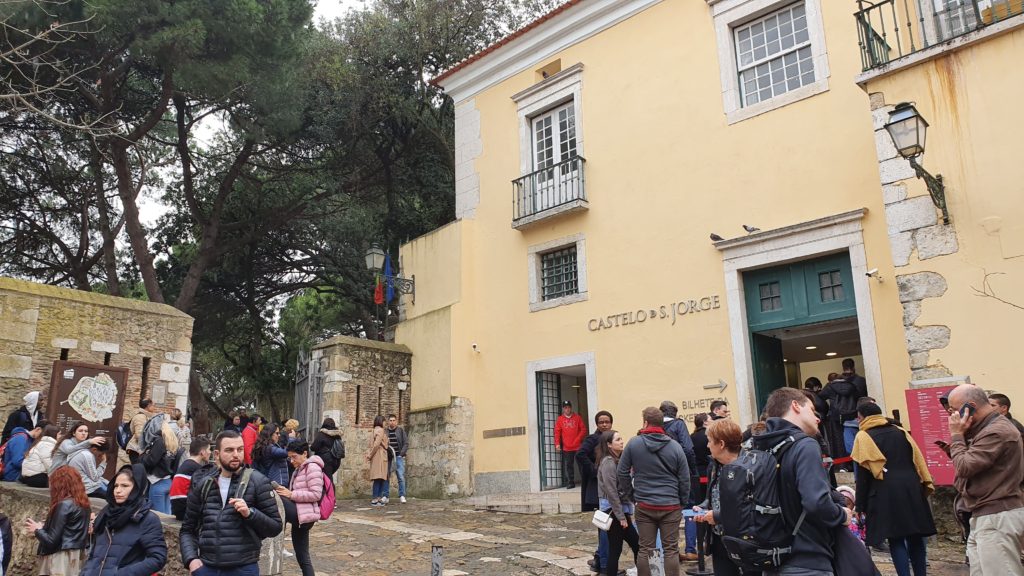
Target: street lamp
column 908, row 129
column 375, row 258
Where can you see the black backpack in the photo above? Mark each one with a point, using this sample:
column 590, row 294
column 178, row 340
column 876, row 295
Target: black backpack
column 124, row 434
column 755, row 534
column 338, row 449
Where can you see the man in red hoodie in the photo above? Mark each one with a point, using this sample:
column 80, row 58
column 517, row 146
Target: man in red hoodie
column 569, row 434
column 249, row 434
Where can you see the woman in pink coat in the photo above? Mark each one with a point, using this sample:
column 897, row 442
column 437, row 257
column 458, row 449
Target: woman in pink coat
column 307, row 488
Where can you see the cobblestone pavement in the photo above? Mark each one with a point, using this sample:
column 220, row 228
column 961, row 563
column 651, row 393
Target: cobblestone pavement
column 396, row 541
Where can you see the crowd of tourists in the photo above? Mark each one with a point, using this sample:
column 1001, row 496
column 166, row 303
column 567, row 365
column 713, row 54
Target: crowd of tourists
column 755, row 501
column 224, row 490
column 766, row 501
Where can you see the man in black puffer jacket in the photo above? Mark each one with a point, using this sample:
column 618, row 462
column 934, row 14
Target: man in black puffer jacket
column 227, row 517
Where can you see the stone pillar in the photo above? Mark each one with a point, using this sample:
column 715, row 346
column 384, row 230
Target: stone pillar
column 915, row 235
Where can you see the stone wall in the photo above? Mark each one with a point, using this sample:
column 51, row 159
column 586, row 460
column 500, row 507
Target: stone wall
column 19, row 502
column 440, row 461
column 915, row 232
column 40, row 323
column 362, row 378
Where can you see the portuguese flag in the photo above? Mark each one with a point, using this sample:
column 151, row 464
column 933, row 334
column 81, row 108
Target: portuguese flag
column 378, row 291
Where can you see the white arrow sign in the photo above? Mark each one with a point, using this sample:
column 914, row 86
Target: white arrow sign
column 721, row 386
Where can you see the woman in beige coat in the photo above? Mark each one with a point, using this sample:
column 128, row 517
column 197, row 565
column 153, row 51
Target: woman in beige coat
column 377, row 456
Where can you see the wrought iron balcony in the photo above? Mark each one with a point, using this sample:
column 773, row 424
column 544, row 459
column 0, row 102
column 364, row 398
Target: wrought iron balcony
column 891, row 29
column 552, row 190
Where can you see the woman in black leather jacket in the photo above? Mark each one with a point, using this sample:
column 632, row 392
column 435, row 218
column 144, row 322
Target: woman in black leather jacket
column 128, row 539
column 62, row 538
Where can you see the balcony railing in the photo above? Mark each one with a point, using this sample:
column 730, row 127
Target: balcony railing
column 549, row 189
column 890, row 29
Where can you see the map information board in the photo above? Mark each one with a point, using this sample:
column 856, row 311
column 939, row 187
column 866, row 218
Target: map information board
column 92, row 394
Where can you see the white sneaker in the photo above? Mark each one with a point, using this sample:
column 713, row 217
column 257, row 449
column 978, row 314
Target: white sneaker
column 402, row 499
column 384, row 500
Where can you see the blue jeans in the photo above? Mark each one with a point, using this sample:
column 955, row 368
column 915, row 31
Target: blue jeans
column 691, row 536
column 602, row 549
column 849, row 435
column 380, row 488
column 160, row 496
column 398, row 470
column 247, row 570
column 907, row 552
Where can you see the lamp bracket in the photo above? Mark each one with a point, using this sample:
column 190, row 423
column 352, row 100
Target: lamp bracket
column 403, row 285
column 936, row 188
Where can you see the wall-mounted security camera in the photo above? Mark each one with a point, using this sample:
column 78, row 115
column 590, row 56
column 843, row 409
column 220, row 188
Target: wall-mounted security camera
column 475, row 349
column 874, row 273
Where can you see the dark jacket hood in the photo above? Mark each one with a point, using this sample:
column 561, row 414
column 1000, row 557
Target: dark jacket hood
column 776, row 430
column 843, row 387
column 655, row 442
column 335, row 433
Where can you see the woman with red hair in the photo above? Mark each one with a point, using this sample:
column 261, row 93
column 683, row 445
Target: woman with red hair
column 62, row 538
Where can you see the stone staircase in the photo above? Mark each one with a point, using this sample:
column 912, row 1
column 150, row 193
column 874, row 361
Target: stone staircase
column 560, row 501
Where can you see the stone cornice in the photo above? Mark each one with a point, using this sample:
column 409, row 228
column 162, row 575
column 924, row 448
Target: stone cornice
column 761, row 237
column 539, row 44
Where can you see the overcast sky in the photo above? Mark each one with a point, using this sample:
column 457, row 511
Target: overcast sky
column 331, row 9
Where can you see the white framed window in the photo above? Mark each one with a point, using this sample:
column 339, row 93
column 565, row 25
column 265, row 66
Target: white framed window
column 773, row 55
column 557, row 273
column 771, row 52
column 554, row 136
column 550, row 123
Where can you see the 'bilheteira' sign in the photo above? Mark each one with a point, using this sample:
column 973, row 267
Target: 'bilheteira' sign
column 675, row 310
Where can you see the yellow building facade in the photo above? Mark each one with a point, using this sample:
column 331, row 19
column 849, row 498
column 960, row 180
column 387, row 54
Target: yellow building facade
column 600, row 148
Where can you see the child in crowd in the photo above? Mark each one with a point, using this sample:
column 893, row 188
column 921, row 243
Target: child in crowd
column 849, row 501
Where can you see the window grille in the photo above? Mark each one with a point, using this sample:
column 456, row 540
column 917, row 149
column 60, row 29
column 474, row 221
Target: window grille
column 559, row 273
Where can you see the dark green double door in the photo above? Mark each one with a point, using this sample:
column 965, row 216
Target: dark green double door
column 794, row 294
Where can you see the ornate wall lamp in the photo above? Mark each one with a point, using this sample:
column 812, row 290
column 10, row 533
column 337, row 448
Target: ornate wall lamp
column 908, row 130
column 375, row 262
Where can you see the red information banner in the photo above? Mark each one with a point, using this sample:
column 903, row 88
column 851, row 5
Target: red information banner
column 929, row 422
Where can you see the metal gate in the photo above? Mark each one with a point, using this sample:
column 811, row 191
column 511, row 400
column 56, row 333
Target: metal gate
column 309, row 392
column 549, row 406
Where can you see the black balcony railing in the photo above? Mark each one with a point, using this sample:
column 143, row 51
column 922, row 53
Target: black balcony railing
column 890, row 29
column 549, row 187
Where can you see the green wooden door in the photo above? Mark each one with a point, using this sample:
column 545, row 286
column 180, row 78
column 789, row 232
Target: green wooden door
column 799, row 293
column 769, row 369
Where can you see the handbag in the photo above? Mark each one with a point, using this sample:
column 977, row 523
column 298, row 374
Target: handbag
column 602, row 520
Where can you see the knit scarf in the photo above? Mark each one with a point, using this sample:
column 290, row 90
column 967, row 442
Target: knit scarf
column 867, row 454
column 652, row 430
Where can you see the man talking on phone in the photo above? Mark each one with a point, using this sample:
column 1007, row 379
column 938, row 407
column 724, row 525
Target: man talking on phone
column 228, row 515
column 989, row 463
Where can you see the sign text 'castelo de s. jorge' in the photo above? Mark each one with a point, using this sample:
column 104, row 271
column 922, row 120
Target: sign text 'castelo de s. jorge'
column 642, row 315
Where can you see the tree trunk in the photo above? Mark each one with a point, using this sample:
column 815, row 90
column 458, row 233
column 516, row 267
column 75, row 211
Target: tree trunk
column 136, row 233
column 109, row 247
column 197, row 400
